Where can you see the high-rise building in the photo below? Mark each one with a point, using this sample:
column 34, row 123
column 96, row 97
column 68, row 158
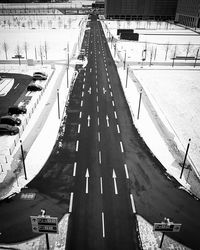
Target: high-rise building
column 140, row 9
column 188, row 13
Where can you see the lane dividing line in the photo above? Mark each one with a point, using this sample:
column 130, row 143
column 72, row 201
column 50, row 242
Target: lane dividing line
column 98, row 109
column 80, row 115
column 111, row 94
column 79, row 128
column 74, row 171
column 97, row 98
column 121, row 145
column 71, row 202
column 126, row 171
column 113, row 103
column 96, row 82
column 84, row 79
column 83, row 86
column 103, row 224
column 97, row 90
column 101, row 185
column 133, row 204
column 109, row 86
column 99, row 137
column 82, row 94
column 82, row 103
column 115, row 114
column 77, row 145
column 99, row 157
column 98, row 121
column 118, row 130
column 115, row 182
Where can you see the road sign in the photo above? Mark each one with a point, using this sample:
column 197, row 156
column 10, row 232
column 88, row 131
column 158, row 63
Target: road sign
column 44, row 224
column 167, row 227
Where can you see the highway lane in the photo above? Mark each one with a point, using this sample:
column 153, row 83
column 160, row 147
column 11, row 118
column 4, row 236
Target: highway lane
column 101, row 213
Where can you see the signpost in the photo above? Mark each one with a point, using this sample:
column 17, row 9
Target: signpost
column 44, row 224
column 166, row 226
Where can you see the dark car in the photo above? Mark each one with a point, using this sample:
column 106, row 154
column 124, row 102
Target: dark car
column 39, row 76
column 8, row 129
column 17, row 110
column 34, row 87
column 10, row 120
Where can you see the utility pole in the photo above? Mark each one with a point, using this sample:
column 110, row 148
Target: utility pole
column 23, row 160
column 186, row 153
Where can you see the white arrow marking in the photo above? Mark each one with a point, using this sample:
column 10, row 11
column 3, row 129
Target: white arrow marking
column 121, row 145
column 79, row 128
column 115, row 114
column 115, row 183
column 87, row 177
column 126, row 171
column 80, row 115
column 101, row 185
column 74, row 172
column 132, row 203
column 71, row 202
column 77, row 145
column 89, row 90
column 107, row 121
column 118, row 130
column 99, row 137
column 103, row 224
column 99, row 157
column 88, row 120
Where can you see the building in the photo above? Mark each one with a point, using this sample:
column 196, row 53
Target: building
column 188, row 13
column 140, row 9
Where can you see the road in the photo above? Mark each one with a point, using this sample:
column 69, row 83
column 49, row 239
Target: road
column 98, row 167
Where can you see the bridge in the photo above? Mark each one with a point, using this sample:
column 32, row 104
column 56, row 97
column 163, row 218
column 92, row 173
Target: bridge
column 46, row 8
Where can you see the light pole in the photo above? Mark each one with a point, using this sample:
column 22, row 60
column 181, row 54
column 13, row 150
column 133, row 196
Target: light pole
column 127, row 70
column 140, row 98
column 23, row 160
column 67, row 64
column 124, row 59
column 186, row 153
column 58, row 104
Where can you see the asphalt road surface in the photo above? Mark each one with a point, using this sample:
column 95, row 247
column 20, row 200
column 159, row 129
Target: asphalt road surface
column 100, row 170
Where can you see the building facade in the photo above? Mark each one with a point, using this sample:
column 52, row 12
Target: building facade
column 141, row 9
column 188, row 13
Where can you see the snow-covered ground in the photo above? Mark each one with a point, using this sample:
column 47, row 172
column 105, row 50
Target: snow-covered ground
column 173, row 92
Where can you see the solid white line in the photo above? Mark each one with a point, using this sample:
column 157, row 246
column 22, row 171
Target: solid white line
column 103, row 224
column 81, row 103
column 77, row 145
column 115, row 114
column 133, row 204
column 118, row 130
column 113, row 103
column 98, row 121
column 99, row 136
column 100, row 157
column 71, row 202
column 79, row 128
column 101, row 185
column 80, row 115
column 74, row 171
column 126, row 171
column 121, row 145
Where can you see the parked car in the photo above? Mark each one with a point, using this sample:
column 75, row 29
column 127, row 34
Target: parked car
column 17, row 110
column 10, row 120
column 8, row 129
column 39, row 76
column 34, row 87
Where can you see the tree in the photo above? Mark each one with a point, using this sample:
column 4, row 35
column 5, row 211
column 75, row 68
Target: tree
column 5, row 48
column 18, row 53
column 26, row 49
column 46, row 48
column 41, row 54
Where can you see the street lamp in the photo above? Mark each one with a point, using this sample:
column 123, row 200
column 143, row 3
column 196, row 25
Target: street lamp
column 186, row 153
column 23, row 160
column 124, row 59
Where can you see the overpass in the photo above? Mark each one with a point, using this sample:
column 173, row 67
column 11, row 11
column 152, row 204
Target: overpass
column 46, row 8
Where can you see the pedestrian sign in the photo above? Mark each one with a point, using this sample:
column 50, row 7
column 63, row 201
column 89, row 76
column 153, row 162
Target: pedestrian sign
column 44, row 224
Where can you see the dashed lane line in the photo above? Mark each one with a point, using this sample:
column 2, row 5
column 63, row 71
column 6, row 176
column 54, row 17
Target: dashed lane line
column 126, row 171
column 118, row 130
column 80, row 114
column 133, row 204
column 115, row 114
column 71, row 202
column 121, row 146
column 77, row 145
column 74, row 171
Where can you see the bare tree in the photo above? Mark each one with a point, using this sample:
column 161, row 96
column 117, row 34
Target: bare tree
column 41, row 54
column 18, row 53
column 26, row 49
column 5, row 48
column 166, row 51
column 35, row 53
column 187, row 50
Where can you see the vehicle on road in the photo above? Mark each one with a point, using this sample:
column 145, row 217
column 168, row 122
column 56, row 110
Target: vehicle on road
column 39, row 76
column 34, row 87
column 10, row 120
column 17, row 110
column 8, row 129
